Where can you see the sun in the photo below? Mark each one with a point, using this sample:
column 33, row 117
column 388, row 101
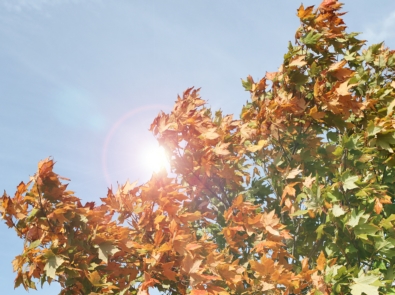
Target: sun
column 155, row 159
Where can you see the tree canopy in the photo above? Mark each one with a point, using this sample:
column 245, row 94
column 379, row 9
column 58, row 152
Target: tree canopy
column 296, row 196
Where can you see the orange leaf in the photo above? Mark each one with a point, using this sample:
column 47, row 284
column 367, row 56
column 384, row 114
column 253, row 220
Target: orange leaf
column 378, row 207
column 167, row 272
column 190, row 217
column 321, row 261
column 298, row 61
column 193, row 246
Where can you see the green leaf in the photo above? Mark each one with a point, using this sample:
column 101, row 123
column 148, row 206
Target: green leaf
column 32, row 214
column 337, row 210
column 52, row 265
column 385, row 140
column 359, row 289
column 366, row 284
column 299, row 212
column 311, row 38
column 387, row 223
column 106, row 249
column 349, row 181
column 34, row 244
column 247, row 84
column 298, row 78
column 354, row 219
column 365, row 229
column 373, row 129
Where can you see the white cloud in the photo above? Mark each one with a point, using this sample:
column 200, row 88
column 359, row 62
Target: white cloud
column 382, row 30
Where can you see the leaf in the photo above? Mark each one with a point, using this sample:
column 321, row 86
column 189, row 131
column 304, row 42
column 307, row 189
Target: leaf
column 349, row 181
column 258, row 147
column 222, row 149
column 292, row 174
column 308, row 181
column 365, row 229
column 373, row 129
column 94, row 278
column 211, row 134
column 359, row 289
column 364, row 284
column 343, row 88
column 105, row 250
column 298, row 61
column 378, row 207
column 53, row 262
column 355, row 217
column 321, row 261
column 311, row 38
column 337, row 210
column 391, row 106
column 247, row 84
column 316, row 114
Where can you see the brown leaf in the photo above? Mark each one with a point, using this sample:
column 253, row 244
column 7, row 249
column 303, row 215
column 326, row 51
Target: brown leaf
column 316, row 114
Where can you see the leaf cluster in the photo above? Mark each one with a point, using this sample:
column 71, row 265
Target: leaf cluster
column 295, row 197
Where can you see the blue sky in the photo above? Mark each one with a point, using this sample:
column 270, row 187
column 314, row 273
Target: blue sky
column 81, row 80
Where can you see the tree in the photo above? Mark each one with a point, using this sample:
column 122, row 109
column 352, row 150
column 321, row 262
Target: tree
column 295, row 197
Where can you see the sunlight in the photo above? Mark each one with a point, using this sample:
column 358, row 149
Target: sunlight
column 155, row 159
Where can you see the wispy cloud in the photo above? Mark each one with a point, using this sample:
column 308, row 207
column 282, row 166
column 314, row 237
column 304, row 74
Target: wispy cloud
column 382, row 30
column 20, row 5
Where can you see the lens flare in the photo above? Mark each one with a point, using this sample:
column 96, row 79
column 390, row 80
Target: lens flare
column 155, row 159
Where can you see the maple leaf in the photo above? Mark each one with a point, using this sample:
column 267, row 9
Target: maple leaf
column 257, row 147
column 222, row 149
column 105, row 250
column 53, row 262
column 308, row 181
column 321, row 261
column 298, row 61
column 292, row 174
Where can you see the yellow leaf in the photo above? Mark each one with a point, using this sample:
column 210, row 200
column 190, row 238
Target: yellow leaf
column 259, row 146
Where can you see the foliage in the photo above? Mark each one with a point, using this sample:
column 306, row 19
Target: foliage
column 295, row 197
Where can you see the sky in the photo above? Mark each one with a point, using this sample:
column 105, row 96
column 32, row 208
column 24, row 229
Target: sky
column 82, row 80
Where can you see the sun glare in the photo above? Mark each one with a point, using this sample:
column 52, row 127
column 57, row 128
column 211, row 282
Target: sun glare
column 155, row 159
